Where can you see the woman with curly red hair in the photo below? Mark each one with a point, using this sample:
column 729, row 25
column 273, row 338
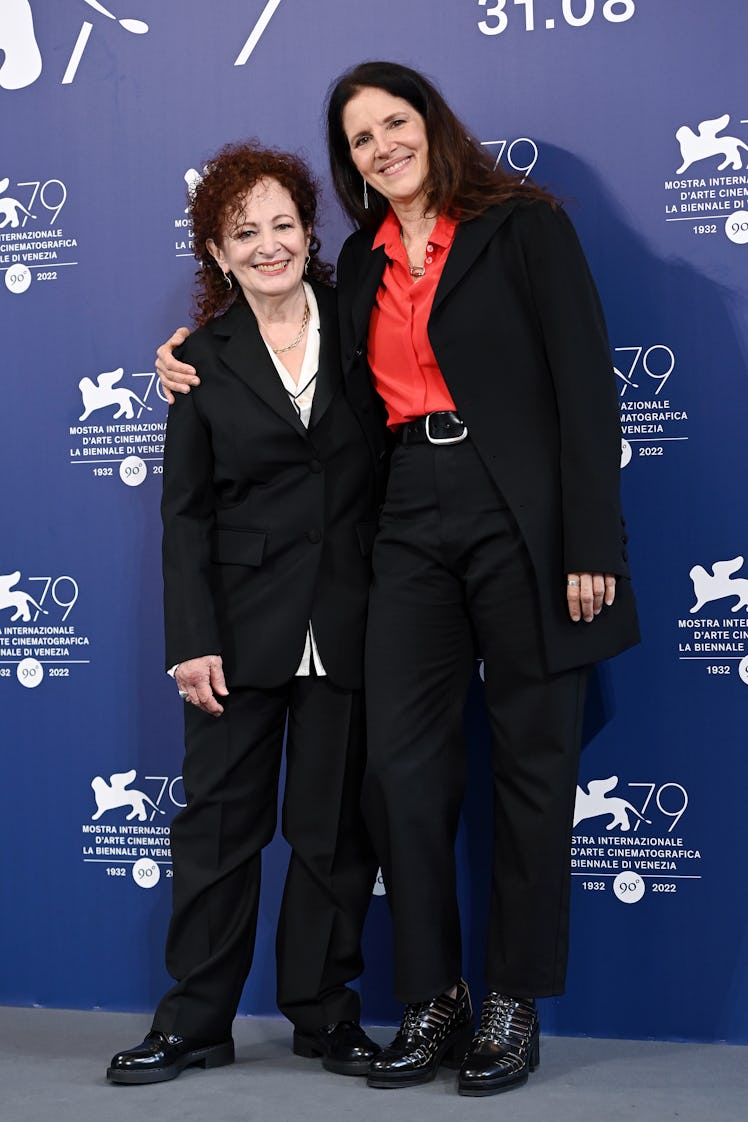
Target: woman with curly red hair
column 269, row 513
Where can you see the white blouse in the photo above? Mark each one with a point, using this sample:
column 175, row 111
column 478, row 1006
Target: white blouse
column 301, row 396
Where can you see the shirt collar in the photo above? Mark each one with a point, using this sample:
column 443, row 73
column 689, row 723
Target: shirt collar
column 388, row 233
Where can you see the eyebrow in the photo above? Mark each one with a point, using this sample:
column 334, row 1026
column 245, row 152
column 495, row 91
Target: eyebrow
column 385, row 121
column 275, row 218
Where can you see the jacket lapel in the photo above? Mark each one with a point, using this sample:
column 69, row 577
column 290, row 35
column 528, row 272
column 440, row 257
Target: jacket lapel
column 246, row 355
column 366, row 291
column 470, row 239
column 328, row 370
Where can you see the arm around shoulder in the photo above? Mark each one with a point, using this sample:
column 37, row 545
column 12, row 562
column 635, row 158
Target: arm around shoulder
column 175, row 375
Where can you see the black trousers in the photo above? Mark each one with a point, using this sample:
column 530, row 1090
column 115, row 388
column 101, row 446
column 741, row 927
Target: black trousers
column 452, row 578
column 231, row 772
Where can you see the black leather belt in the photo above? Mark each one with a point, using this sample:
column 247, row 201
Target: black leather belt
column 434, row 428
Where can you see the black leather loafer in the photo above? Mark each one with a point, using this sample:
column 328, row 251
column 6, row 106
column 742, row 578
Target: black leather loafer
column 344, row 1047
column 505, row 1048
column 431, row 1033
column 162, row 1057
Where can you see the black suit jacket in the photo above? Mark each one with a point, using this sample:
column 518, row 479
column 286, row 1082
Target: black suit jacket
column 519, row 335
column 267, row 524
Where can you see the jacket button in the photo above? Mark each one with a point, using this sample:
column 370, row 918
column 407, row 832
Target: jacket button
column 314, row 536
column 315, row 465
column 358, row 352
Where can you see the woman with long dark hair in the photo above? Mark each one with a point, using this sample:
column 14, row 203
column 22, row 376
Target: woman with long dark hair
column 466, row 298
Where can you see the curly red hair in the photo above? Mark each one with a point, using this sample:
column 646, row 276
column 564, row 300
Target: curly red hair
column 217, row 201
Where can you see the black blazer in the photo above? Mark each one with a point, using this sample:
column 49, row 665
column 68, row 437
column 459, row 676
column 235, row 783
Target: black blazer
column 519, row 335
column 267, row 524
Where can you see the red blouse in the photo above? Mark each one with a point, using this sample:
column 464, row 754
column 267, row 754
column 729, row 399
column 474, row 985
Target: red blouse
column 405, row 371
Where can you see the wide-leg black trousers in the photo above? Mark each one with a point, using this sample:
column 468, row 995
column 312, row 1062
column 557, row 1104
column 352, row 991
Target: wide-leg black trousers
column 231, row 773
column 453, row 579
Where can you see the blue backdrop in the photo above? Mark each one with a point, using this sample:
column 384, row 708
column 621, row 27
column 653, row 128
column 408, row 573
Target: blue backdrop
column 633, row 112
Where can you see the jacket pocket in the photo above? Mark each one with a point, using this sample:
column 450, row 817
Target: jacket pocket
column 238, row 547
column 366, row 532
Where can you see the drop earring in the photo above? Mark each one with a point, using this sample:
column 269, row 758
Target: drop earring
column 366, row 195
column 227, row 281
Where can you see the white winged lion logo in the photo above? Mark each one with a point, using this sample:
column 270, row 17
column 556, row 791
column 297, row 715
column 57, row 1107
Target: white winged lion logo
column 15, row 598
column 112, row 795
column 719, row 583
column 595, row 801
column 704, row 143
column 104, row 393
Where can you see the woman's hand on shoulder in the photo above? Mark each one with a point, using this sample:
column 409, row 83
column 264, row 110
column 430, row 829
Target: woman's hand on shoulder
column 587, row 592
column 201, row 679
column 176, row 377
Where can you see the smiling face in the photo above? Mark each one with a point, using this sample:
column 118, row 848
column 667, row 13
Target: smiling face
column 388, row 145
column 265, row 244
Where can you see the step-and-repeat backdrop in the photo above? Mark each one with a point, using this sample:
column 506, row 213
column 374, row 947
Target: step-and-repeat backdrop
column 635, row 113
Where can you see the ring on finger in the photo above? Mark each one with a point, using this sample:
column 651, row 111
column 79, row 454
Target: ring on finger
column 572, row 583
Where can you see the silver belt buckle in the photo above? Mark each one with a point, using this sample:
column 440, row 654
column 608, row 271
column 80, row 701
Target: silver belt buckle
column 444, row 439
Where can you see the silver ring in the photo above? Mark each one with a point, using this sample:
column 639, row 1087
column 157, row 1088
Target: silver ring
column 573, row 582
column 183, row 694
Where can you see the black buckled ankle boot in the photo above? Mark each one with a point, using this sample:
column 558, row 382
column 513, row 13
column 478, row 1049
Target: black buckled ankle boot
column 505, row 1048
column 431, row 1033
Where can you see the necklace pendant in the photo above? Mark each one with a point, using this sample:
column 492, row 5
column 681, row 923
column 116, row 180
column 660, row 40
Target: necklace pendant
column 417, row 270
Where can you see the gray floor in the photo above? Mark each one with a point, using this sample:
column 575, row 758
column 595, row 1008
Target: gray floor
column 52, row 1067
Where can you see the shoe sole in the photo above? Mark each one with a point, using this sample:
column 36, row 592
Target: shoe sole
column 302, row 1046
column 216, row 1056
column 482, row 1090
column 360, row 1067
column 390, row 1083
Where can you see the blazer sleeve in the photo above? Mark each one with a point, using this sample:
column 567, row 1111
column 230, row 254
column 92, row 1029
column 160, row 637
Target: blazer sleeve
column 578, row 353
column 188, row 516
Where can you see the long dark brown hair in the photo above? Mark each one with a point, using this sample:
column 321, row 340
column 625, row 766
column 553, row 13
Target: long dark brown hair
column 217, row 201
column 461, row 182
